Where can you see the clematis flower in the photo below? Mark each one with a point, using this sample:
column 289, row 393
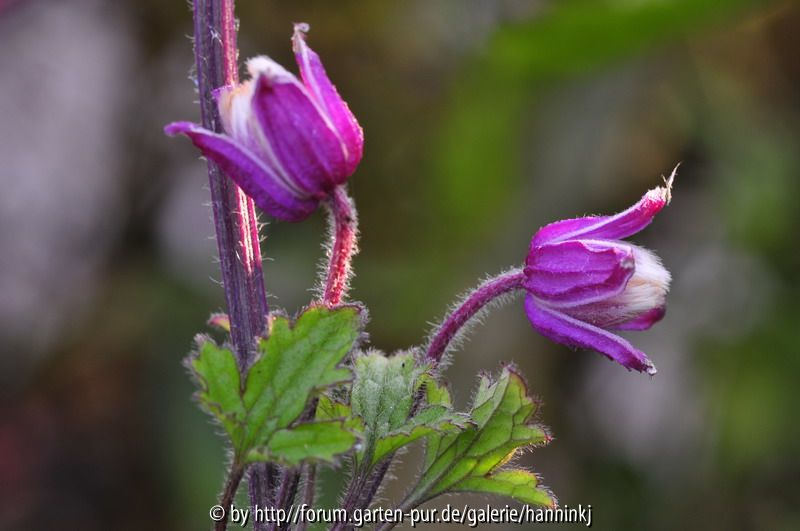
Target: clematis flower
column 288, row 143
column 583, row 281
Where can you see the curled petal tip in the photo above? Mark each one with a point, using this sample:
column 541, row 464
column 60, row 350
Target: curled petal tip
column 664, row 193
column 262, row 65
column 177, row 128
column 301, row 28
column 650, row 369
column 299, row 36
column 668, row 182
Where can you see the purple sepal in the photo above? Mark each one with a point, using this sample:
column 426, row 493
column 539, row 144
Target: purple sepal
column 615, row 227
column 643, row 321
column 254, row 177
column 568, row 331
column 574, row 273
column 325, row 94
column 303, row 141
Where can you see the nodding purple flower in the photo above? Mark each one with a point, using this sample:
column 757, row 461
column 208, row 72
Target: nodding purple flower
column 583, row 281
column 288, row 143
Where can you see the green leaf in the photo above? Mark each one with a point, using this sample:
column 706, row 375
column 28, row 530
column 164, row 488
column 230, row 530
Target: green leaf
column 431, row 419
column 319, row 441
column 383, row 395
column 330, row 409
column 218, row 378
column 383, row 391
column 471, row 458
column 521, row 485
column 294, row 362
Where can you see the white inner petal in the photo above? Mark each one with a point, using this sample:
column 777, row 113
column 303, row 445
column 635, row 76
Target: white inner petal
column 648, row 287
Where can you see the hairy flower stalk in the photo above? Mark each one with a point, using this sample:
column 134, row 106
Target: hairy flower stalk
column 344, row 227
column 485, row 294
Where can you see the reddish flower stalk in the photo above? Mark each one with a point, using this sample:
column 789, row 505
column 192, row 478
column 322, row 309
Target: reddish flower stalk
column 344, row 224
column 476, row 301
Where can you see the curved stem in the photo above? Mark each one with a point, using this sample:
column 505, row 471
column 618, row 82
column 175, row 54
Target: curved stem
column 344, row 223
column 473, row 303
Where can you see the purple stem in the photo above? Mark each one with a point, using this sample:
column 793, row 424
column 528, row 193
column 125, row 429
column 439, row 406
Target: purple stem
column 234, row 214
column 474, row 302
column 235, row 220
column 345, row 233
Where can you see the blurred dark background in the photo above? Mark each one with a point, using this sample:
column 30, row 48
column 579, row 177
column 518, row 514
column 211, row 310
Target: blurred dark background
column 484, row 120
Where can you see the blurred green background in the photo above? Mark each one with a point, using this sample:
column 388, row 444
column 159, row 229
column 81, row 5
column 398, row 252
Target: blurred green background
column 484, row 120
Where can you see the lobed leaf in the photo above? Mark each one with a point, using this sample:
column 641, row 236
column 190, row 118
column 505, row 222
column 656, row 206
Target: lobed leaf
column 294, row 362
column 316, row 441
column 471, row 459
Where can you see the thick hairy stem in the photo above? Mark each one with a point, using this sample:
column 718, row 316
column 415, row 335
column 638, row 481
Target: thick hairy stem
column 234, row 213
column 345, row 233
column 226, row 500
column 473, row 303
column 262, row 482
column 351, row 499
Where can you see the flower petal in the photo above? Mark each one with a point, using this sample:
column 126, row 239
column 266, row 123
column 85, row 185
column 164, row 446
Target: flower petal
column 575, row 273
column 574, row 333
column 252, row 175
column 614, row 227
column 302, row 138
column 325, row 94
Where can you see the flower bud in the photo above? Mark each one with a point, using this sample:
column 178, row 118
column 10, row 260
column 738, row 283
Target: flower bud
column 288, row 143
column 582, row 281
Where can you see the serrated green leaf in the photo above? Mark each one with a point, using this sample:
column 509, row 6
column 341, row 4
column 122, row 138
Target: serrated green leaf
column 383, row 391
column 330, row 409
column 383, row 395
column 435, row 392
column 217, row 375
column 317, row 441
column 436, row 418
column 293, row 363
column 470, row 459
column 521, row 485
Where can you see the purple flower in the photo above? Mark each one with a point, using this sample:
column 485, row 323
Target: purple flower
column 288, row 143
column 582, row 281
